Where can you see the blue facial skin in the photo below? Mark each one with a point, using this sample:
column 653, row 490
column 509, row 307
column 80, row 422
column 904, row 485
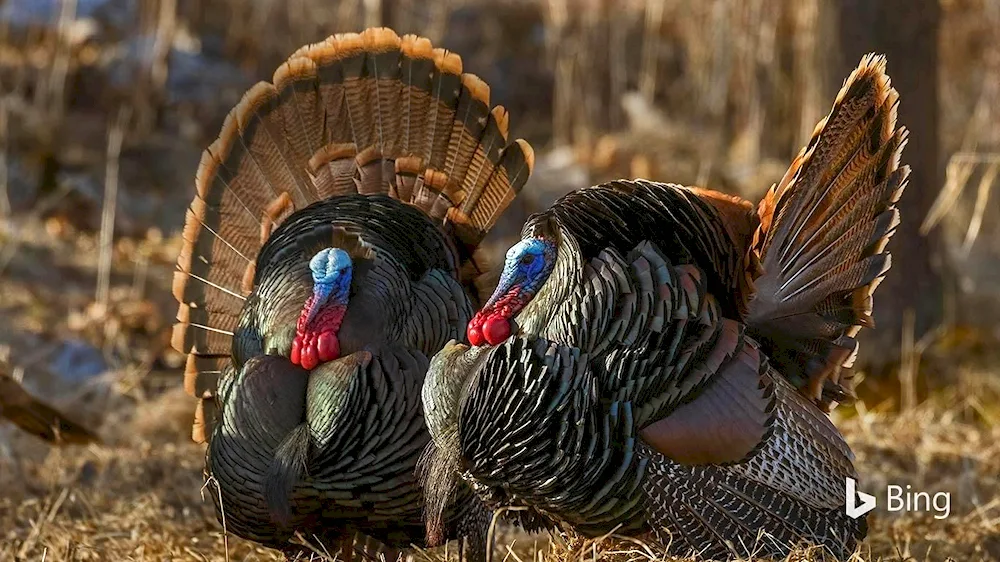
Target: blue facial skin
column 331, row 272
column 527, row 266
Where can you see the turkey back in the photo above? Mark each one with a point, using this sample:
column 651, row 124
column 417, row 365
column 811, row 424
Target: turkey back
column 368, row 114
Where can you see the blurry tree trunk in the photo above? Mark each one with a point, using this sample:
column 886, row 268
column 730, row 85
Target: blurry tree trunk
column 906, row 32
column 392, row 16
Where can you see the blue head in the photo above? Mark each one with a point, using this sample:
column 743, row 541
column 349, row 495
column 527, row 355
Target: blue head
column 316, row 339
column 526, row 268
column 331, row 272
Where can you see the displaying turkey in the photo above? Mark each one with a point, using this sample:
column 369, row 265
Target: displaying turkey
column 329, row 252
column 38, row 418
column 636, row 367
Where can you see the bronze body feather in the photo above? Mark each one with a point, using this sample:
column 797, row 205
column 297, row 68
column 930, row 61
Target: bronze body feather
column 675, row 354
column 379, row 152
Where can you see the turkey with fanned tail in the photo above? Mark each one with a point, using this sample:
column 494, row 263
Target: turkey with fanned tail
column 330, row 250
column 658, row 361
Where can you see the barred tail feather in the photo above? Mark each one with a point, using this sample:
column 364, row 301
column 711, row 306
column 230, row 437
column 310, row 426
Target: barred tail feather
column 718, row 514
column 822, row 237
column 368, row 113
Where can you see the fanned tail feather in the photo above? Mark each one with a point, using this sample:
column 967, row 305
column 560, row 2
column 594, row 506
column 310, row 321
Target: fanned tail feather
column 822, row 236
column 368, row 113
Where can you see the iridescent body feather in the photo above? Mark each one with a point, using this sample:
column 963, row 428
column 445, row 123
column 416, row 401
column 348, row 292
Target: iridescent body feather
column 330, row 251
column 670, row 365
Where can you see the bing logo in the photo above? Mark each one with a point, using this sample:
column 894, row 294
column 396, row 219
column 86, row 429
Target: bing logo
column 853, row 509
column 897, row 499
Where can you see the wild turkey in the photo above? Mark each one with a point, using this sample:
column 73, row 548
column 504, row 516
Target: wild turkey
column 329, row 252
column 659, row 335
column 38, row 418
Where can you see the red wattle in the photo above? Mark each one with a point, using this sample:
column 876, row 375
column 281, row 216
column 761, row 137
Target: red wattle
column 496, row 329
column 328, row 346
column 309, row 358
column 474, row 331
column 315, row 339
column 475, row 335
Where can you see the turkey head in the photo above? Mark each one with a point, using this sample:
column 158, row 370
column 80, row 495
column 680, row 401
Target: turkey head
column 316, row 331
column 527, row 266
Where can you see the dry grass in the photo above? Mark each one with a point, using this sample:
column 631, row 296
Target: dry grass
column 140, row 498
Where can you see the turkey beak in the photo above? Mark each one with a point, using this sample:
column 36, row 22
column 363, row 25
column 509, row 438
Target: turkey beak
column 321, row 292
column 506, row 284
column 497, row 293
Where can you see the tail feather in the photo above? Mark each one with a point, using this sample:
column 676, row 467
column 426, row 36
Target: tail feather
column 721, row 515
column 201, row 379
column 214, row 334
column 503, row 185
column 357, row 88
column 262, row 134
column 368, row 113
column 487, row 156
column 204, row 372
column 446, row 88
column 333, row 168
column 417, row 71
column 300, row 104
column 822, row 236
column 337, row 126
column 471, row 116
column 385, row 51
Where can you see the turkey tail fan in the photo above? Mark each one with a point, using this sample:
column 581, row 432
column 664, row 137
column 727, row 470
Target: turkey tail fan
column 38, row 418
column 822, row 237
column 368, row 113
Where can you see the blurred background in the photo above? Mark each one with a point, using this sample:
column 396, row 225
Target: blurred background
column 106, row 105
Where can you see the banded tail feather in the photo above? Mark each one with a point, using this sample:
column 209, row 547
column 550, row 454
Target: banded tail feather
column 822, row 237
column 788, row 493
column 358, row 113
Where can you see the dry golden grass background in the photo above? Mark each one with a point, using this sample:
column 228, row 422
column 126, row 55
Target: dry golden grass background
column 107, row 104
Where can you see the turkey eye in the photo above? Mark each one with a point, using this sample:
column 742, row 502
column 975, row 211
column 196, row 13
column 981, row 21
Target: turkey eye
column 527, row 259
column 343, row 270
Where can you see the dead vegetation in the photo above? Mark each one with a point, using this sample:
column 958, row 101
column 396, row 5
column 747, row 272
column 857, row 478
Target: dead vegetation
column 105, row 106
column 140, row 497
